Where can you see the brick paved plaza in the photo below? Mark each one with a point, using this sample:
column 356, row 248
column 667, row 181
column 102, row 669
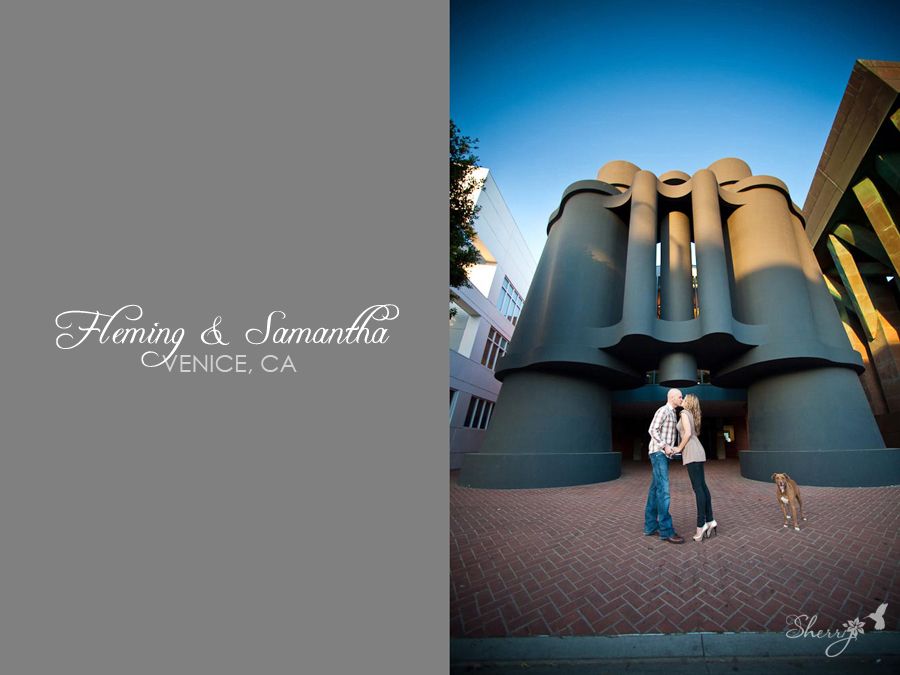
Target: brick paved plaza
column 574, row 561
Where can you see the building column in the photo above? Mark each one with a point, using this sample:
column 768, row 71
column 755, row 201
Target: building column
column 676, row 369
column 713, row 284
column 639, row 305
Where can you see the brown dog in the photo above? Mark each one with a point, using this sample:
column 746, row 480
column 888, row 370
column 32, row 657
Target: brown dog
column 788, row 494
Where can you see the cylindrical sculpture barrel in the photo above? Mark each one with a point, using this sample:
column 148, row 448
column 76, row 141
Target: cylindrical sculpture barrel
column 548, row 430
column 551, row 425
column 811, row 422
column 815, row 425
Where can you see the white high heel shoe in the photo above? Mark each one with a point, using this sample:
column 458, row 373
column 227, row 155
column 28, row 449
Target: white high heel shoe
column 702, row 533
column 711, row 525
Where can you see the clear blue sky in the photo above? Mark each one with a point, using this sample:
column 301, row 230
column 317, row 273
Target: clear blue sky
column 554, row 91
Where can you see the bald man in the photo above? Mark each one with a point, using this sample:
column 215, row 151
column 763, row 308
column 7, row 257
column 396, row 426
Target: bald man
column 662, row 447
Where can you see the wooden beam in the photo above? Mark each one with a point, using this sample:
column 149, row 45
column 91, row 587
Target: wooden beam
column 853, row 282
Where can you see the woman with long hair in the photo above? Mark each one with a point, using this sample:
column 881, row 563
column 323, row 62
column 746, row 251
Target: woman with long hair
column 694, row 457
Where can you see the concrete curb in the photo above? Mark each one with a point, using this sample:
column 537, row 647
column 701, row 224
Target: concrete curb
column 653, row 646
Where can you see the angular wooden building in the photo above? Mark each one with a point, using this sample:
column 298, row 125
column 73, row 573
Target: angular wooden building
column 851, row 214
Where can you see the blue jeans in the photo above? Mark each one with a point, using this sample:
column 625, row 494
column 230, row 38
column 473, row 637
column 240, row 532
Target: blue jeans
column 656, row 513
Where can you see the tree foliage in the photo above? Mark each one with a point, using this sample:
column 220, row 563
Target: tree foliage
column 463, row 211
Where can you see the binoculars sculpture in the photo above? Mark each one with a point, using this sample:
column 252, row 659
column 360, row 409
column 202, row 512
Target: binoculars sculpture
column 597, row 318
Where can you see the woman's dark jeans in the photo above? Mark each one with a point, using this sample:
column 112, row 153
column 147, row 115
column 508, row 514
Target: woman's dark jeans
column 701, row 492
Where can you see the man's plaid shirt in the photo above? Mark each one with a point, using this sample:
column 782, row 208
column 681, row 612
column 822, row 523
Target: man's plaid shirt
column 662, row 429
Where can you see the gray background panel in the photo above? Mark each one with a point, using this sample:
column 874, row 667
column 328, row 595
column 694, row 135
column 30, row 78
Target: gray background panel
column 204, row 159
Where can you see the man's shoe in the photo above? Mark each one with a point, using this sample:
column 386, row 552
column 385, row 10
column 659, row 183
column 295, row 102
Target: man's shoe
column 650, row 534
column 675, row 539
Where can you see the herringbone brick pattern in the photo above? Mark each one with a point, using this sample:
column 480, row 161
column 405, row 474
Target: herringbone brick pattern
column 574, row 561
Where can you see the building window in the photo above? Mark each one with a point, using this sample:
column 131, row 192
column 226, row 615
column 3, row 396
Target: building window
column 658, row 295
column 510, row 302
column 463, row 329
column 454, row 396
column 694, row 294
column 479, row 413
column 495, row 347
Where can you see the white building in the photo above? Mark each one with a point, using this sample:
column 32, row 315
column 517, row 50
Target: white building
column 485, row 319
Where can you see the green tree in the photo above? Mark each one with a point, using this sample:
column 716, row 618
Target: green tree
column 463, row 211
